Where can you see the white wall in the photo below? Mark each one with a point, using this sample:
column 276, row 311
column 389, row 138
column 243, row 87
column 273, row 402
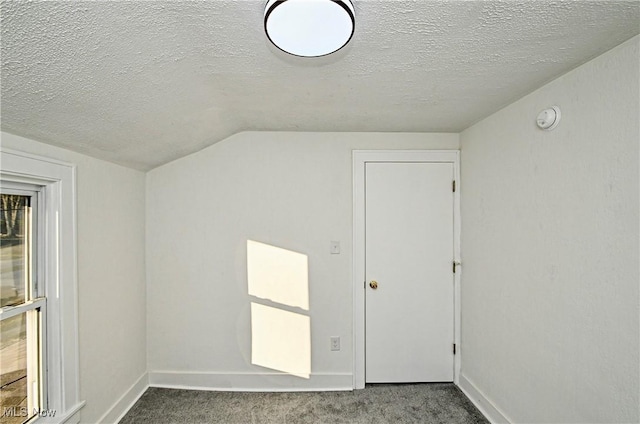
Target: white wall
column 550, row 284
column 291, row 190
column 111, row 275
column 550, row 254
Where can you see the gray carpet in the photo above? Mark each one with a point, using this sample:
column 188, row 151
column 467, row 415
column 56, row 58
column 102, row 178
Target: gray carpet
column 380, row 403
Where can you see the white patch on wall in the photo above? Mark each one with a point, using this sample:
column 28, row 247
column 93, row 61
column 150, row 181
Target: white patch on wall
column 280, row 339
column 277, row 274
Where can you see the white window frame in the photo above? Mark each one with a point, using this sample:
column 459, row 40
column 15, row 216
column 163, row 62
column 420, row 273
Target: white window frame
column 36, row 300
column 59, row 273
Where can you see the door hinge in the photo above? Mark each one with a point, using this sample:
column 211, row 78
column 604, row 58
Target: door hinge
column 454, row 186
column 455, row 264
column 454, row 348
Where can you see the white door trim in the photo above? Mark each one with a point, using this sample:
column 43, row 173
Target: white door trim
column 360, row 158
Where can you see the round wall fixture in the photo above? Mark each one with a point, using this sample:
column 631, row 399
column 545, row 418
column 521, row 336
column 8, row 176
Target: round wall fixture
column 309, row 28
column 548, row 119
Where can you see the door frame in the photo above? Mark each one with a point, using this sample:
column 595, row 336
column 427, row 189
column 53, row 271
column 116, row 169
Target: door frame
column 360, row 159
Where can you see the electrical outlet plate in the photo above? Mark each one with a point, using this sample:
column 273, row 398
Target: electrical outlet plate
column 335, row 343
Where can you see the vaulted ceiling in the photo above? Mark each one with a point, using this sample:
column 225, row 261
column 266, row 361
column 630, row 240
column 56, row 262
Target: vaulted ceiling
column 142, row 83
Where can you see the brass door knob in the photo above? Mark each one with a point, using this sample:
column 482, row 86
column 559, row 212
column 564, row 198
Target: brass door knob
column 373, row 284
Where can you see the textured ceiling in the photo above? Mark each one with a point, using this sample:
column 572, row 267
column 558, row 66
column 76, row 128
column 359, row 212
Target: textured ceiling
column 144, row 82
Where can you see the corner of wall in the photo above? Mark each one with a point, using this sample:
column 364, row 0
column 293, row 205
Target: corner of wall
column 119, row 409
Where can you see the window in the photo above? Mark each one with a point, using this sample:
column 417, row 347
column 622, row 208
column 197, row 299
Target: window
column 38, row 301
column 21, row 371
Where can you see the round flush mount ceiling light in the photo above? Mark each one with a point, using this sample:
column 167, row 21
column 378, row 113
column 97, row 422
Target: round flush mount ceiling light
column 309, row 28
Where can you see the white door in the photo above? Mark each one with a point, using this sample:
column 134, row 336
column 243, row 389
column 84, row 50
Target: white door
column 409, row 253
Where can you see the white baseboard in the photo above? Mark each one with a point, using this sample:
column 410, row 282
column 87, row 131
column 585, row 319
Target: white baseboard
column 249, row 382
column 271, row 382
column 488, row 409
column 126, row 401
